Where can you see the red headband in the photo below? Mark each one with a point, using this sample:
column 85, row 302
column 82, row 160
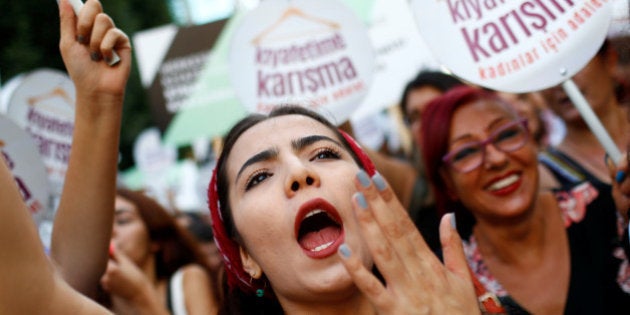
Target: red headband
column 229, row 249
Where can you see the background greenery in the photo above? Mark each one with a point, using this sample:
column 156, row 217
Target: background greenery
column 29, row 36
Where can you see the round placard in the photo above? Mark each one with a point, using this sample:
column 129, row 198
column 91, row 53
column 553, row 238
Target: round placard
column 23, row 159
column 313, row 53
column 517, row 45
column 43, row 105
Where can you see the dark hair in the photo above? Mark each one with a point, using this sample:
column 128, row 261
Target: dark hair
column 436, row 125
column 436, row 79
column 177, row 247
column 237, row 301
column 198, row 225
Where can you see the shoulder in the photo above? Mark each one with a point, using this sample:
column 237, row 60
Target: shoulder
column 194, row 277
column 192, row 270
column 198, row 290
column 559, row 170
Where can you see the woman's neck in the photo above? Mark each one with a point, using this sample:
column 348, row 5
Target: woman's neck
column 522, row 242
column 149, row 269
column 357, row 303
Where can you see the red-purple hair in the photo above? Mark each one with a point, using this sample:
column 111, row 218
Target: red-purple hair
column 436, row 126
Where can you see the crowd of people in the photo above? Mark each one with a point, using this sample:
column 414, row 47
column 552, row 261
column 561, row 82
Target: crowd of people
column 486, row 216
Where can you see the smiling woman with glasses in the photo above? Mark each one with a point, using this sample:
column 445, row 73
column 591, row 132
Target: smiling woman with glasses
column 531, row 251
column 469, row 155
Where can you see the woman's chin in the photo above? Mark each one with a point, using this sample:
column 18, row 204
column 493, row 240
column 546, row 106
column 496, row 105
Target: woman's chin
column 334, row 280
column 323, row 287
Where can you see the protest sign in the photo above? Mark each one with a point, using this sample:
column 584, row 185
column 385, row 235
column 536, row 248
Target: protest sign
column 20, row 153
column 43, row 105
column 170, row 59
column 400, row 53
column 513, row 46
column 314, row 53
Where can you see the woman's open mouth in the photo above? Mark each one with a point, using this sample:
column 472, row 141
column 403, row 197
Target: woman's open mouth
column 318, row 228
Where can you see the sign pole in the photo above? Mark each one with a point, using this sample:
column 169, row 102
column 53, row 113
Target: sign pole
column 591, row 119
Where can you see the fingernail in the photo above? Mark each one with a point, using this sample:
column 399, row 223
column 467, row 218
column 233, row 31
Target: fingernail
column 95, row 56
column 344, row 250
column 621, row 175
column 81, row 39
column 361, row 200
column 453, row 222
column 108, row 60
column 379, row 182
column 363, row 178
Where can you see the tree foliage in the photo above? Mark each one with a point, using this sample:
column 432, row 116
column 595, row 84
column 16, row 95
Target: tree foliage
column 29, row 39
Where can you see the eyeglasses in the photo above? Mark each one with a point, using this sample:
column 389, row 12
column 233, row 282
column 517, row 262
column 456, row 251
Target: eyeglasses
column 507, row 138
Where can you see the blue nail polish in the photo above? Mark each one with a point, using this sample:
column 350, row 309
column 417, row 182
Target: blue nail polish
column 361, row 200
column 363, row 178
column 621, row 175
column 453, row 222
column 344, row 250
column 379, row 182
column 95, row 56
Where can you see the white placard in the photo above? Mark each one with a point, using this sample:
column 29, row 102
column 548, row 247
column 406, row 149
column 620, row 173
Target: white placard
column 43, row 105
column 21, row 154
column 150, row 155
column 314, row 53
column 516, row 45
column 400, row 54
column 620, row 25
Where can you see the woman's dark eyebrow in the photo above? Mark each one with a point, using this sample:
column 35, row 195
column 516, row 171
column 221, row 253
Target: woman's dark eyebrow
column 120, row 210
column 301, row 143
column 297, row 145
column 258, row 157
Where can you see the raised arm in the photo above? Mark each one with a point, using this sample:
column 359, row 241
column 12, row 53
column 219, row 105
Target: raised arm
column 28, row 282
column 84, row 218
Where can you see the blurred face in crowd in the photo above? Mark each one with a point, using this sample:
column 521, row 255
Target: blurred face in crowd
column 596, row 83
column 290, row 193
column 416, row 103
column 491, row 163
column 130, row 235
column 212, row 255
